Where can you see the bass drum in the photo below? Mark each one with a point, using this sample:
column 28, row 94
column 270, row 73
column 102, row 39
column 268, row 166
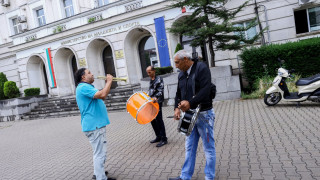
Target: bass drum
column 142, row 108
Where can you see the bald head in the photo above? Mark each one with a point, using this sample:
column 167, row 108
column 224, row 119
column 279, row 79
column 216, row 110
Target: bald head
column 151, row 72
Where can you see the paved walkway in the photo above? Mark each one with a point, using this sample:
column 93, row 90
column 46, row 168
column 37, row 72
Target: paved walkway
column 252, row 142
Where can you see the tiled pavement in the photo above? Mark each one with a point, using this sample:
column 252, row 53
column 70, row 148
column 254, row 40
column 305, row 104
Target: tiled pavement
column 252, row 142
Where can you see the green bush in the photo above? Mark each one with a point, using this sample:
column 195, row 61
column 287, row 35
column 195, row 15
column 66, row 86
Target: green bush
column 32, row 92
column 11, row 90
column 303, row 56
column 178, row 48
column 261, row 85
column 163, row 70
column 3, row 79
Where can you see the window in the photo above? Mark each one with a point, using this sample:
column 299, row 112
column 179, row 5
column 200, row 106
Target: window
column 68, row 7
column 15, row 25
column 248, row 34
column 103, row 2
column 148, row 54
column 40, row 16
column 307, row 20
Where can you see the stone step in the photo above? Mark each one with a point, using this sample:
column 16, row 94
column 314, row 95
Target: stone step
column 114, row 97
column 65, row 104
column 48, row 109
column 54, row 107
column 63, row 114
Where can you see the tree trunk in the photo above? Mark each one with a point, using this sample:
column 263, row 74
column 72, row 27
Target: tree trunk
column 213, row 64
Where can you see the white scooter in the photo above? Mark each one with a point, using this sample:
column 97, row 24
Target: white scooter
column 308, row 89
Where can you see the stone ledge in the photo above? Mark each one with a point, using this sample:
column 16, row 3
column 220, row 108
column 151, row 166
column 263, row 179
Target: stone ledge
column 12, row 109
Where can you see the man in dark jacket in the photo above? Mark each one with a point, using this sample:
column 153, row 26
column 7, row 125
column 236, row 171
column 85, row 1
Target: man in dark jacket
column 194, row 86
column 156, row 92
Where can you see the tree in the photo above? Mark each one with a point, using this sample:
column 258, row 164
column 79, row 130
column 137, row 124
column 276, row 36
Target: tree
column 178, row 48
column 211, row 23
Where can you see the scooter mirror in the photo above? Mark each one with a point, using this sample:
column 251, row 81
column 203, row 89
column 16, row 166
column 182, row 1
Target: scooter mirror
column 282, row 61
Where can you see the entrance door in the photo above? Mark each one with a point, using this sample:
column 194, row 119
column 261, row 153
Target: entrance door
column 74, row 65
column 108, row 64
column 45, row 77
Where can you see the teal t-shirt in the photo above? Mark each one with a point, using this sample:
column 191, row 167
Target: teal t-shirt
column 94, row 113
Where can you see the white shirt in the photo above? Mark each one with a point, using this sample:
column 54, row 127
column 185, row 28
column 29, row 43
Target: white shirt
column 189, row 70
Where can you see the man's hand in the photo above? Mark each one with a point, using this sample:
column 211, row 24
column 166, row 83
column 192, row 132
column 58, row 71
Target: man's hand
column 155, row 99
column 184, row 105
column 176, row 114
column 109, row 78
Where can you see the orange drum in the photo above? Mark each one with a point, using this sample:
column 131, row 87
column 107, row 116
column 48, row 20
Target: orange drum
column 141, row 107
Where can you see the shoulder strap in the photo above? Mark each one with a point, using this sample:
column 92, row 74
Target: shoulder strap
column 194, row 78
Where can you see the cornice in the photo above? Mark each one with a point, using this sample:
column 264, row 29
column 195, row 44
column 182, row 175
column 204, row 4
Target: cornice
column 154, row 8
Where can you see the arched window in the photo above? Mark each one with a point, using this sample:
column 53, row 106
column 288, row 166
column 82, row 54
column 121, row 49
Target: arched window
column 148, row 54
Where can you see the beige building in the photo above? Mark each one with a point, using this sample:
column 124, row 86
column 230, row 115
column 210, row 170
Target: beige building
column 43, row 42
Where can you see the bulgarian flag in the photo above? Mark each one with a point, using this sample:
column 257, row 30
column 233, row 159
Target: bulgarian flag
column 51, row 70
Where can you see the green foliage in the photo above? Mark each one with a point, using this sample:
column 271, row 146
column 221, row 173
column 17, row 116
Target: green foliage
column 59, row 28
column 32, row 92
column 218, row 33
column 3, row 79
column 163, row 70
column 303, row 56
column 261, row 85
column 11, row 90
column 178, row 48
column 90, row 20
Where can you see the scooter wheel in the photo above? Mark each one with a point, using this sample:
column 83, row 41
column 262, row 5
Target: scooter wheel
column 272, row 99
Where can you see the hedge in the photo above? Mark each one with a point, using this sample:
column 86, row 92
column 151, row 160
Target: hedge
column 11, row 90
column 3, row 79
column 303, row 56
column 163, row 70
column 32, row 92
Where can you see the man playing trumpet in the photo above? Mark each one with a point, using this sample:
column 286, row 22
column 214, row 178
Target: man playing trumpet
column 94, row 117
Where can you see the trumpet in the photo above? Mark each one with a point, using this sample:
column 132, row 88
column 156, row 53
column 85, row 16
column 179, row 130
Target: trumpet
column 113, row 79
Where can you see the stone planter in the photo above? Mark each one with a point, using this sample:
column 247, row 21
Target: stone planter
column 12, row 109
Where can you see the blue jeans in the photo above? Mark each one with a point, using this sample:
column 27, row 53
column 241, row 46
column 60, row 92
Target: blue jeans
column 98, row 142
column 204, row 129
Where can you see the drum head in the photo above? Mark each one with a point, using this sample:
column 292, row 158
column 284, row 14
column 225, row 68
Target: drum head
column 147, row 113
column 141, row 107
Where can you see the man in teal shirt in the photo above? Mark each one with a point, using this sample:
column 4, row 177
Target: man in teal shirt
column 94, row 117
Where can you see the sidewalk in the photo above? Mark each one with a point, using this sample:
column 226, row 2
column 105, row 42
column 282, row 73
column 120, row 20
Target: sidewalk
column 253, row 141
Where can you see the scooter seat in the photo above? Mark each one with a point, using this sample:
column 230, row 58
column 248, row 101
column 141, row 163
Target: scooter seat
column 308, row 80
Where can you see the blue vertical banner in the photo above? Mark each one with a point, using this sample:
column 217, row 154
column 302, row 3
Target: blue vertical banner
column 162, row 42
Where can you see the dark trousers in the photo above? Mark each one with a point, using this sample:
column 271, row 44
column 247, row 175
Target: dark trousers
column 158, row 125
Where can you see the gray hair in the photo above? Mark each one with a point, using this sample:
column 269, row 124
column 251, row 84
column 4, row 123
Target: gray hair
column 182, row 54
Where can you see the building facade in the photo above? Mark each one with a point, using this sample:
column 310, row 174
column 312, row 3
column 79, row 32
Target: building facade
column 43, row 42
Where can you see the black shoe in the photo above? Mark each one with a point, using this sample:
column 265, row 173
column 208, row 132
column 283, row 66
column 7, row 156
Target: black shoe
column 177, row 178
column 110, row 178
column 161, row 143
column 155, row 140
column 94, row 176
